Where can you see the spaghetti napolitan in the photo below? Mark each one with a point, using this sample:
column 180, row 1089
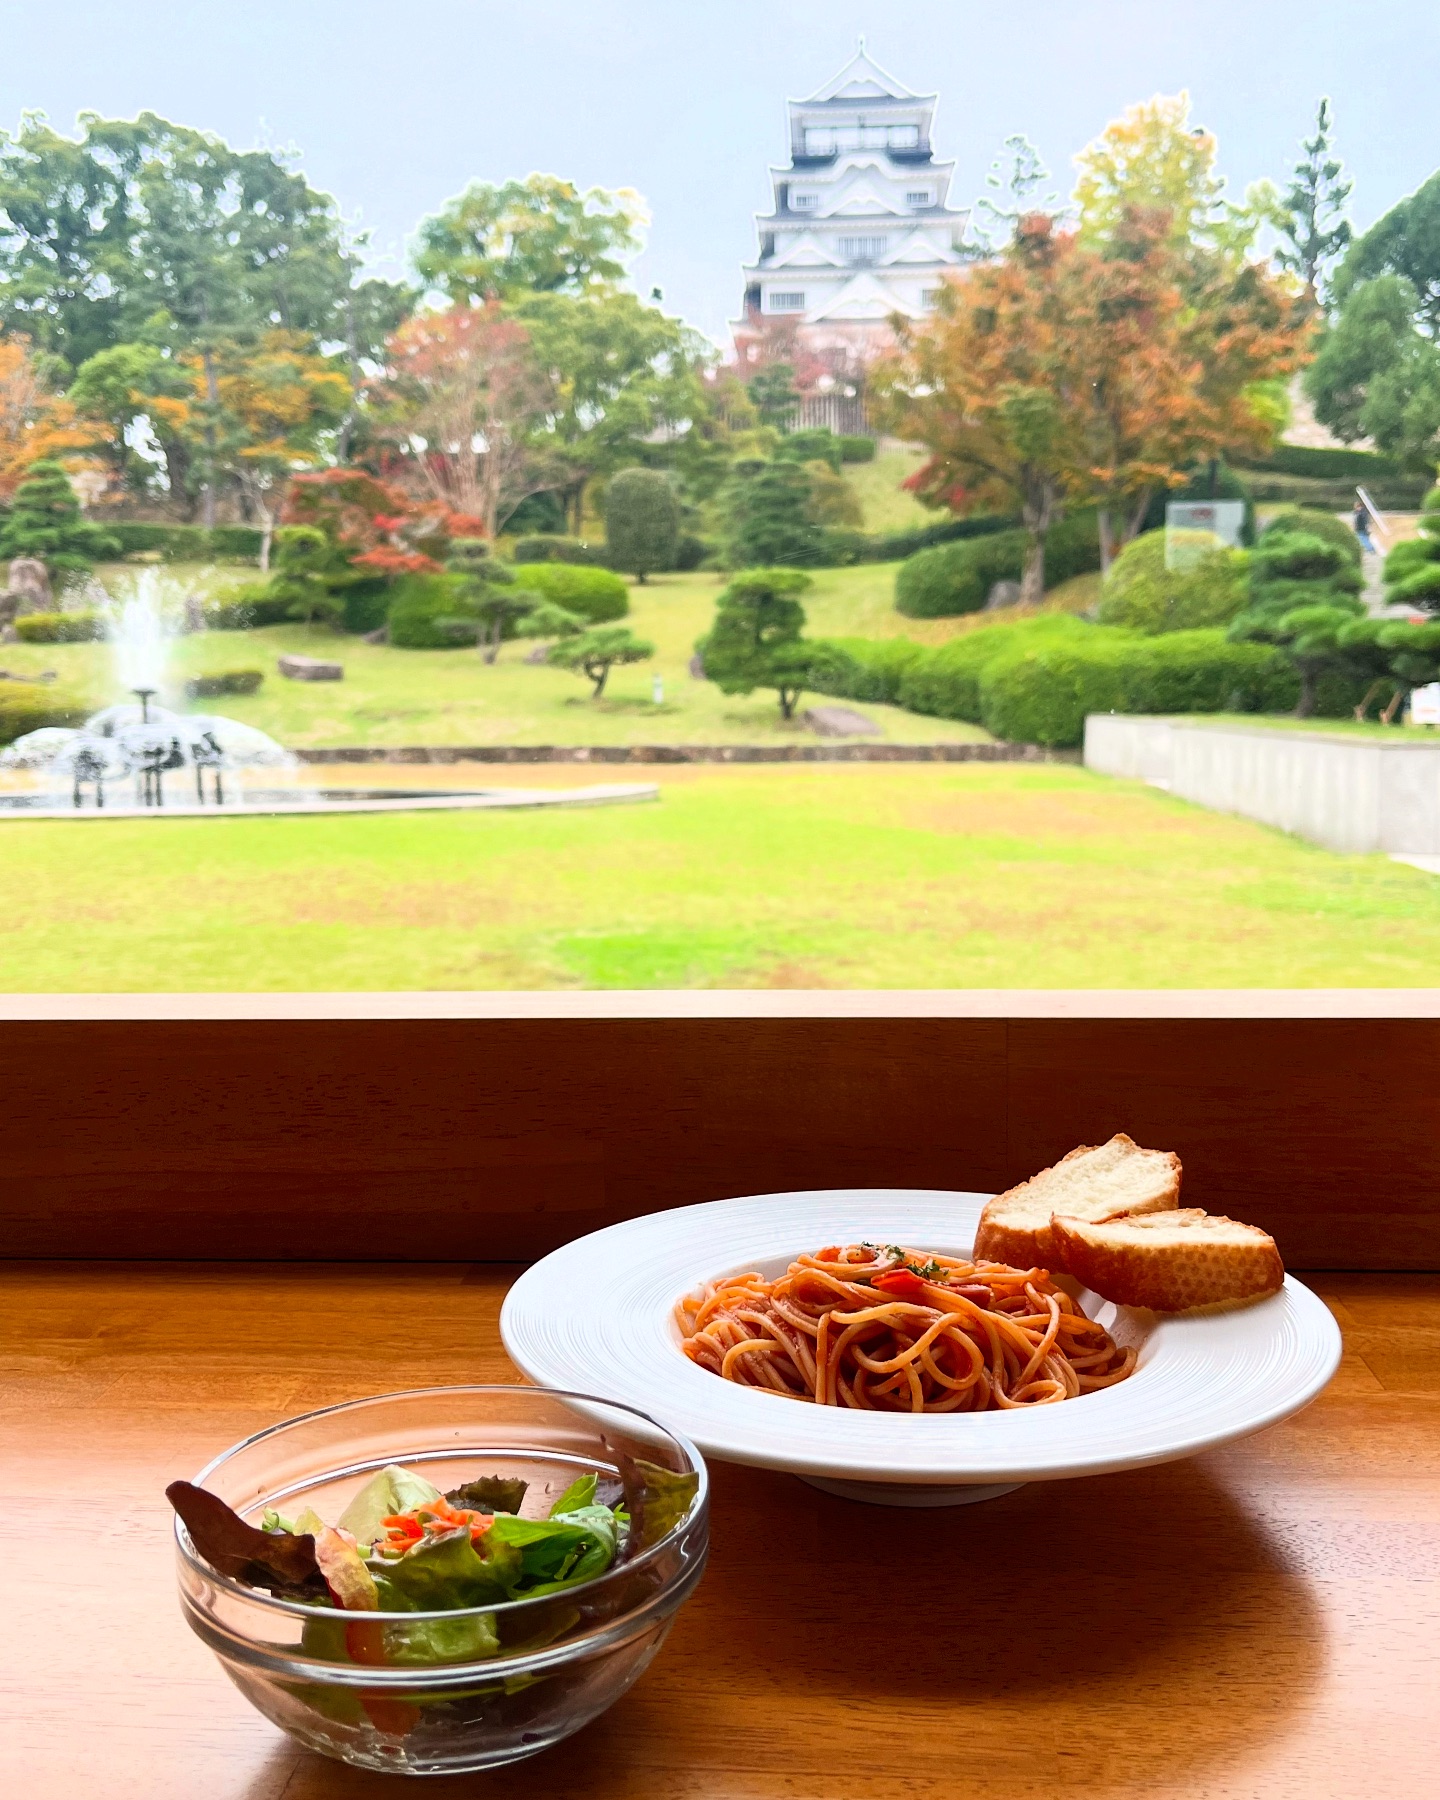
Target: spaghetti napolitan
column 885, row 1329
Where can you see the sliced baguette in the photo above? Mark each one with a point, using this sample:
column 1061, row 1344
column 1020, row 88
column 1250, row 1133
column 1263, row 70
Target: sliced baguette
column 1094, row 1182
column 1170, row 1261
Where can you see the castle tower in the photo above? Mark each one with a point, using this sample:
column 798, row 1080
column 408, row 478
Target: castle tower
column 861, row 227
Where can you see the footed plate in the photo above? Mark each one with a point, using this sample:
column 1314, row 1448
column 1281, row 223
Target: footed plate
column 596, row 1315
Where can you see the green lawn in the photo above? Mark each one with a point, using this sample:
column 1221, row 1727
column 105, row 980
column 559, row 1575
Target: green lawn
column 886, row 505
column 440, row 697
column 779, row 876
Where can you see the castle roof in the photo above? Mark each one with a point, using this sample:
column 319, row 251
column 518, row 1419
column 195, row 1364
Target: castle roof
column 862, row 78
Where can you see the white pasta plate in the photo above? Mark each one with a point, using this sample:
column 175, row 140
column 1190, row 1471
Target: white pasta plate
column 598, row 1315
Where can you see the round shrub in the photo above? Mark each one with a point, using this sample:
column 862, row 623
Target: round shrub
column 27, row 706
column 60, row 628
column 1319, row 524
column 857, row 449
column 951, row 579
column 426, row 614
column 1305, row 556
column 598, row 596
column 1142, row 594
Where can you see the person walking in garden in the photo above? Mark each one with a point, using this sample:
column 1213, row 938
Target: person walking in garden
column 1361, row 523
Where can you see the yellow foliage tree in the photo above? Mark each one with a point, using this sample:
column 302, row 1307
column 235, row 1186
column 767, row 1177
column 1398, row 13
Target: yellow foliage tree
column 35, row 422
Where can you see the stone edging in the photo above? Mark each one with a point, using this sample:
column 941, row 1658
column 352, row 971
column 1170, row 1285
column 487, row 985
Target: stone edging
column 686, row 753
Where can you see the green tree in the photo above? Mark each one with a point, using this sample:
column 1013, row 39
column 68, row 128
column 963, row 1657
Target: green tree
column 1377, row 376
column 1015, row 179
column 757, row 638
column 774, row 395
column 489, row 598
column 626, row 381
column 642, row 522
column 44, row 522
column 595, row 652
column 539, row 235
column 1412, row 569
column 766, row 508
column 1313, row 229
column 305, row 574
column 1405, row 242
column 142, row 388
column 140, row 219
column 1414, row 657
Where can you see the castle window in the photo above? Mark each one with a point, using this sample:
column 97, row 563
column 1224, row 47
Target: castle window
column 801, row 201
column 786, row 302
column 918, row 197
column 826, row 140
column 862, row 249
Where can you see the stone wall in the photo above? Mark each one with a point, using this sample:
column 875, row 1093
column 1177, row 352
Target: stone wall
column 1348, row 794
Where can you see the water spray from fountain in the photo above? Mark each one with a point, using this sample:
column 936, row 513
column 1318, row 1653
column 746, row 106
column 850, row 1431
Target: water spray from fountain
column 139, row 739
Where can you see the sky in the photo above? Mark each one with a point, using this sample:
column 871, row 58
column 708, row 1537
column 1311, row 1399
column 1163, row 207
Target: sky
column 393, row 107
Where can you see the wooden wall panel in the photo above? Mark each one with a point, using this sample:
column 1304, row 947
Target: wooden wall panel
column 493, row 1138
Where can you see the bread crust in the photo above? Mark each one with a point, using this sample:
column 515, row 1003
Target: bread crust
column 998, row 1239
column 1171, row 1275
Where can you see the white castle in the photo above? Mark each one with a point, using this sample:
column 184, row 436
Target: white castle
column 861, row 227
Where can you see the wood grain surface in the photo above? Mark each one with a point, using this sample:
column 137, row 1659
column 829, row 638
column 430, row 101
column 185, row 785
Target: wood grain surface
column 292, row 1136
column 1258, row 1622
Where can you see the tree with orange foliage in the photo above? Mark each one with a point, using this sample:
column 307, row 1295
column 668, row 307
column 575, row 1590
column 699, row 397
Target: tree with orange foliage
column 462, row 397
column 36, row 424
column 991, row 384
column 272, row 403
column 1102, row 364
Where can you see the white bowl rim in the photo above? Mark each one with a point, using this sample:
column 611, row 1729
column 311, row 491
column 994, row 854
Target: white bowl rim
column 679, row 1245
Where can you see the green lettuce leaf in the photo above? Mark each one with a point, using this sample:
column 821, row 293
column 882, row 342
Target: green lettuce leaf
column 443, row 1640
column 393, row 1490
column 563, row 1549
column 447, row 1571
column 580, row 1492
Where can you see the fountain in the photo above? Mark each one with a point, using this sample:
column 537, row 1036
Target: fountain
column 143, row 742
column 116, row 764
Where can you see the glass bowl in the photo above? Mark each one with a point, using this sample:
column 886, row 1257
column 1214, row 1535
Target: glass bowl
column 497, row 1683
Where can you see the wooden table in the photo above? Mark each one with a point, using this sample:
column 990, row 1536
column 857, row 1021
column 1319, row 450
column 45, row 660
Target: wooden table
column 1260, row 1621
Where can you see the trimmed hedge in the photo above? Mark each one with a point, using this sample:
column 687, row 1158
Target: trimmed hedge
column 857, row 449
column 60, row 628
column 548, row 549
column 229, row 681
column 1390, row 493
column 952, row 579
column 1041, row 693
column 867, row 668
column 598, row 596
column 1035, row 680
column 187, row 543
column 26, row 706
column 1322, row 465
column 248, row 608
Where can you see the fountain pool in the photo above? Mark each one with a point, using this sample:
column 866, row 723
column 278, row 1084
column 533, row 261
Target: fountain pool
column 138, row 758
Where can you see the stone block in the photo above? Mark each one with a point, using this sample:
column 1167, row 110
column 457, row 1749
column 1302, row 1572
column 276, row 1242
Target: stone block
column 309, row 668
column 840, row 721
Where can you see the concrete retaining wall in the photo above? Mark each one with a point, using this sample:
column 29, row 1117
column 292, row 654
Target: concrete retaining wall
column 1348, row 794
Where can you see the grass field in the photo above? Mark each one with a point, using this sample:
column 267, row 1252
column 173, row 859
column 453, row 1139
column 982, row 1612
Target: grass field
column 393, row 696
column 828, row 876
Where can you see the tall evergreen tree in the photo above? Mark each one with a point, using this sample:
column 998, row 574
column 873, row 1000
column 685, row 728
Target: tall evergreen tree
column 1315, row 232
